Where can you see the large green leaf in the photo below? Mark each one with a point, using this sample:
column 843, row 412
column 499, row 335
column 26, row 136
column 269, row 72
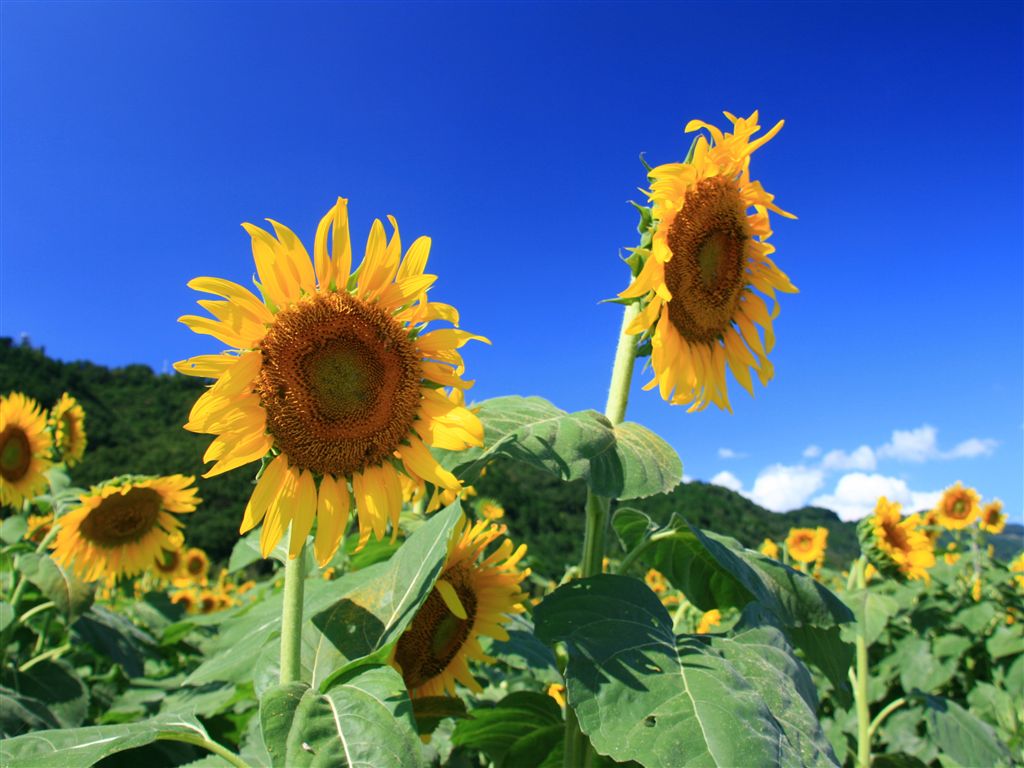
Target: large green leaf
column 765, row 659
column 623, row 462
column 639, row 696
column 20, row 713
column 71, row 595
column 375, row 613
column 364, row 719
column 522, row 729
column 962, row 737
column 56, row 684
column 83, row 747
column 872, row 610
column 524, row 651
column 116, row 637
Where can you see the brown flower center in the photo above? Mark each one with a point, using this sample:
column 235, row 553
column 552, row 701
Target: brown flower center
column 436, row 634
column 340, row 382
column 896, row 535
column 122, row 518
column 167, row 562
column 15, row 453
column 958, row 508
column 708, row 239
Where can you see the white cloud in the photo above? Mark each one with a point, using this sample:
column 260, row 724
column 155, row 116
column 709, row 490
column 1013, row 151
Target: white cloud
column 972, row 447
column 862, row 458
column 781, row 488
column 729, row 453
column 921, row 444
column 812, row 451
column 856, row 494
column 727, row 480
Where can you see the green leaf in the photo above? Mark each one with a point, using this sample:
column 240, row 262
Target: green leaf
column 632, row 526
column 961, row 736
column 429, row 711
column 71, row 595
column 640, row 697
column 13, row 529
column 521, row 729
column 87, row 746
column 56, row 685
column 623, row 462
column 204, row 700
column 524, row 651
column 873, row 611
column 897, row 760
column 6, row 614
column 116, row 637
column 919, row 669
column 382, row 607
column 764, row 658
column 976, row 618
column 1006, row 641
column 20, row 713
column 277, row 714
column 364, row 719
column 639, row 464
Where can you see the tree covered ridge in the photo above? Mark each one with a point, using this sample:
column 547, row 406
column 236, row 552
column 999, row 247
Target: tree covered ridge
column 134, row 420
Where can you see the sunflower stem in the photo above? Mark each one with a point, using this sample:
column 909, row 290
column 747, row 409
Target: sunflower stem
column 291, row 618
column 860, row 690
column 578, row 752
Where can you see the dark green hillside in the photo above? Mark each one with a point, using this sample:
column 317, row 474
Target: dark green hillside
column 134, row 418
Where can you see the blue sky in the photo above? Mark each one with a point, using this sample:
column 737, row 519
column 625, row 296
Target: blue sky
column 137, row 136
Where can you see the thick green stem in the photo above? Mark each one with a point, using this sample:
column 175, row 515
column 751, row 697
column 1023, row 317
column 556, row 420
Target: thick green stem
column 577, row 750
column 860, row 691
column 291, row 618
column 209, row 746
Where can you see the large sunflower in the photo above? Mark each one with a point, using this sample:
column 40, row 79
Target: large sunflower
column 121, row 528
column 897, row 546
column 958, row 507
column 24, row 449
column 67, row 419
column 807, row 545
column 332, row 376
column 707, row 256
column 472, row 597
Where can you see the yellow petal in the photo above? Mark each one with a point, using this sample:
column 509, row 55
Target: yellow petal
column 266, row 491
column 451, row 598
column 415, row 260
column 279, row 513
column 445, row 338
column 305, row 509
column 331, row 517
column 418, row 458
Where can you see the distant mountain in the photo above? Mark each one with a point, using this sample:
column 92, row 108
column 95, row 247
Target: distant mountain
column 134, row 418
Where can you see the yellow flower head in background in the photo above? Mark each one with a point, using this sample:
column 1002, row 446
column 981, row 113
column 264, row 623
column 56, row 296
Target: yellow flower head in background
column 195, row 567
column 121, row 528
column 186, row 598
column 656, row 581
column 24, row 449
column 490, row 510
column 557, row 692
column 710, row 619
column 1017, row 568
column 897, row 545
column 806, row 545
column 993, row 519
column 472, row 597
column 167, row 564
column 332, row 374
column 976, row 589
column 67, row 419
column 769, row 548
column 958, row 507
column 951, row 556
column 708, row 255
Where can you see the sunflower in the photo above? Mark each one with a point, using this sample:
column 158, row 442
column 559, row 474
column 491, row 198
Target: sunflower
column 120, row 528
column 332, row 377
column 167, row 563
column 1017, row 569
column 707, row 256
column 491, row 510
column 186, row 598
column 194, row 568
column 710, row 619
column 992, row 520
column 958, row 507
column 806, row 545
column 951, row 556
column 471, row 598
column 67, row 420
column 39, row 526
column 24, row 449
column 898, row 547
column 770, row 549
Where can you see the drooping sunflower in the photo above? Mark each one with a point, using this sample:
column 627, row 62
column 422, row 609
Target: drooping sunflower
column 332, row 375
column 993, row 519
column 958, row 507
column 898, row 547
column 806, row 545
column 120, row 528
column 67, row 420
column 25, row 448
column 472, row 597
column 707, row 257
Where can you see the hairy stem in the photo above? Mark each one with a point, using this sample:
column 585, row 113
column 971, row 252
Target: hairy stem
column 291, row 618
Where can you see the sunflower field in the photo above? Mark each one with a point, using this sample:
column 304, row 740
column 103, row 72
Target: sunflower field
column 374, row 610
